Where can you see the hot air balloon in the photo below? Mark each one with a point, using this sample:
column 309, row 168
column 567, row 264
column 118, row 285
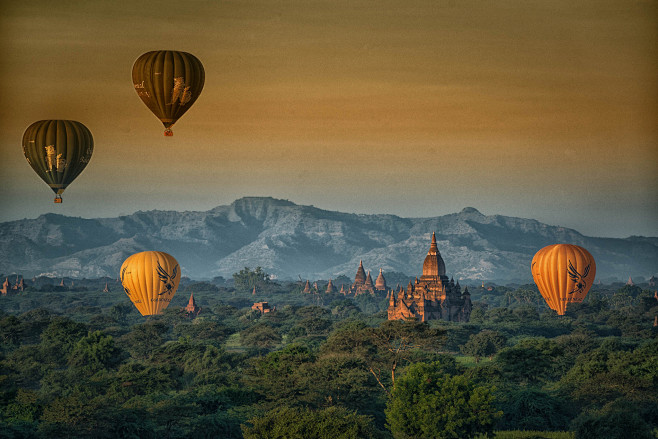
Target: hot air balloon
column 564, row 274
column 168, row 82
column 150, row 279
column 58, row 151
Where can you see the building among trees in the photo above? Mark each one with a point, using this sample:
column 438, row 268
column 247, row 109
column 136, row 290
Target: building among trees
column 433, row 296
column 380, row 283
column 7, row 286
column 307, row 288
column 363, row 283
column 191, row 310
column 263, row 307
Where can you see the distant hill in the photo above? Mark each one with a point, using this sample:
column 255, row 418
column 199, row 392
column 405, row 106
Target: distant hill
column 289, row 240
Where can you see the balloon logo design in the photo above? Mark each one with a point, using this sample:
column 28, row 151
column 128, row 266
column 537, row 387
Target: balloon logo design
column 168, row 280
column 578, row 279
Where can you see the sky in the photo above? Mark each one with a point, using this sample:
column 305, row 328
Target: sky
column 536, row 109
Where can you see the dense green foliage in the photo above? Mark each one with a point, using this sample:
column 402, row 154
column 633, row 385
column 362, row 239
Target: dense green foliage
column 430, row 403
column 298, row 423
column 77, row 362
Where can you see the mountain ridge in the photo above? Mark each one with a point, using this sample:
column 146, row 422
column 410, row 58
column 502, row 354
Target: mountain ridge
column 290, row 240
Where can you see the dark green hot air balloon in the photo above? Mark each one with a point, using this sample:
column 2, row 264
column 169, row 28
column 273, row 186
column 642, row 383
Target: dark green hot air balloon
column 58, row 151
column 168, row 82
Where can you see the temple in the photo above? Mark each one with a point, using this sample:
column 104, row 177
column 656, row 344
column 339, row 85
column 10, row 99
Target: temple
column 433, row 296
column 263, row 307
column 191, row 310
column 8, row 288
column 363, row 283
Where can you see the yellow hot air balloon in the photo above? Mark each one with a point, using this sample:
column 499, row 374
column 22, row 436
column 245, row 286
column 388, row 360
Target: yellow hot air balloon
column 150, row 280
column 564, row 274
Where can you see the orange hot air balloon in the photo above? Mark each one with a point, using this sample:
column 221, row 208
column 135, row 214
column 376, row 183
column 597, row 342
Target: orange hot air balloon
column 564, row 274
column 150, row 280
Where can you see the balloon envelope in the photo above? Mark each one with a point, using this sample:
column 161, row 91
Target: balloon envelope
column 150, row 279
column 58, row 151
column 168, row 82
column 564, row 274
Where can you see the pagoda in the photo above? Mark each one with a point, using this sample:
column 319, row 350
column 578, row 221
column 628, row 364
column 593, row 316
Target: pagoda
column 362, row 282
column 6, row 287
column 433, row 296
column 380, row 283
column 191, row 310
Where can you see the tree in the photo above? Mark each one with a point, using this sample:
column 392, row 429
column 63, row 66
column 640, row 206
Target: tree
column 25, row 407
column 530, row 408
column 385, row 348
column 344, row 308
column 485, row 342
column 530, row 361
column 612, row 372
column 78, row 416
column 277, row 376
column 300, row 423
column 427, row 403
column 618, row 420
column 261, row 337
column 10, row 331
column 144, row 338
column 61, row 335
column 120, row 311
column 209, row 331
column 630, row 290
column 134, row 379
column 93, row 353
column 246, row 280
column 33, row 323
column 294, row 376
column 314, row 326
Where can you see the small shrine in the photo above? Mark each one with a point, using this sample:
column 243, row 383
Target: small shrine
column 191, row 310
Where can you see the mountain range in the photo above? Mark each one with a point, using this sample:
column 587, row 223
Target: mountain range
column 291, row 241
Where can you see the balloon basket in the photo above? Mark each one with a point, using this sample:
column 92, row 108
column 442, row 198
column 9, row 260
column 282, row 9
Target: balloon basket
column 58, row 199
column 168, row 133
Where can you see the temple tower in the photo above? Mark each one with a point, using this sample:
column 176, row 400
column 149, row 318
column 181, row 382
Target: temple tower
column 6, row 287
column 380, row 283
column 433, row 295
column 360, row 277
column 192, row 310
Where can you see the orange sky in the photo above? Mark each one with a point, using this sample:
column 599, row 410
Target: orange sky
column 538, row 109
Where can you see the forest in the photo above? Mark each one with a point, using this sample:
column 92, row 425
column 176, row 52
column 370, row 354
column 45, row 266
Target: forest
column 80, row 362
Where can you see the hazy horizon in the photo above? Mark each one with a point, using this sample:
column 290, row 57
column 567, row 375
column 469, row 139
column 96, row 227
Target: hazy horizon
column 541, row 110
